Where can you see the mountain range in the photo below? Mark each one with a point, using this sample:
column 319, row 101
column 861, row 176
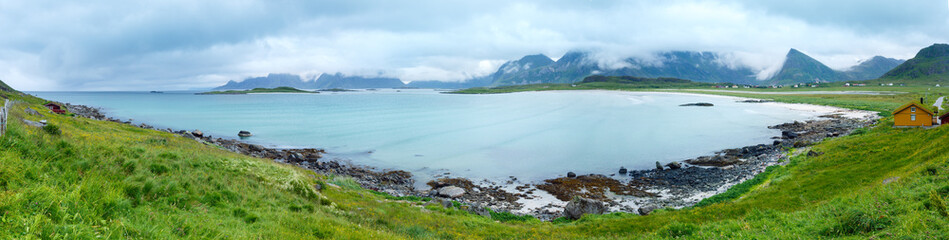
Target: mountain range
column 800, row 68
column 931, row 64
column 325, row 81
column 575, row 65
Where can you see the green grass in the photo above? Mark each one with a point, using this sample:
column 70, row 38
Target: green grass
column 99, row 179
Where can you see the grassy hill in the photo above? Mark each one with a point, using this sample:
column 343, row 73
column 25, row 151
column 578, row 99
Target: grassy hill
column 930, row 66
column 95, row 179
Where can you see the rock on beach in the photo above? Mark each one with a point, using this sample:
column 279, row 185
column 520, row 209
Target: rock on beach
column 451, row 191
column 579, row 206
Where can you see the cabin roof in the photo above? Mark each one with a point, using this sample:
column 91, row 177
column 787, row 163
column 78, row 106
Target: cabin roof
column 918, row 106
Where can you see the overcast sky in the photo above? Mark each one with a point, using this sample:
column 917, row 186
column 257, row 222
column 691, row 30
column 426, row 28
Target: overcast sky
column 128, row 45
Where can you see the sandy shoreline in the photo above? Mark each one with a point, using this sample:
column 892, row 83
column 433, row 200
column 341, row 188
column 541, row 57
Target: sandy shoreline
column 660, row 188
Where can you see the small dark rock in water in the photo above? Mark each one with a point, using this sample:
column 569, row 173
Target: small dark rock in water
column 579, row 206
column 622, row 170
column 243, row 133
column 701, row 104
column 571, row 174
column 674, row 165
column 658, row 166
column 645, row 210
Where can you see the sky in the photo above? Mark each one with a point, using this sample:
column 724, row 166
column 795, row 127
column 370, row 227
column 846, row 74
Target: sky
column 171, row 44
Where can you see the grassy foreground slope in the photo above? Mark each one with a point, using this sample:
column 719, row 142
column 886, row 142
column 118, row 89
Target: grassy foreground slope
column 96, row 179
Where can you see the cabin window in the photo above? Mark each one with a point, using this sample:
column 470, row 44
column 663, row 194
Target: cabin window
column 912, row 117
column 912, row 109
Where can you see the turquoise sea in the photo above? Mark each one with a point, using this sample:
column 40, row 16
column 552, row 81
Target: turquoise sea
column 531, row 135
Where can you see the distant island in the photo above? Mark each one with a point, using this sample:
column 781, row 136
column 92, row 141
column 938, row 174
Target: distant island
column 258, row 90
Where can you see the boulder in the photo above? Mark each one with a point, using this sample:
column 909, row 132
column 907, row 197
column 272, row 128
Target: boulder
column 658, row 166
column 255, row 147
column 788, row 134
column 622, row 170
column 445, row 203
column 197, row 133
column 243, row 133
column 30, row 111
column 813, row 153
column 674, row 165
column 579, row 206
column 451, row 191
column 645, row 210
column 189, row 135
column 34, row 124
column 571, row 175
column 479, row 210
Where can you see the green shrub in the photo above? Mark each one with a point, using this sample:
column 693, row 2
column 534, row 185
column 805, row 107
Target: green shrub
column 859, row 131
column 52, row 129
column 677, row 230
column 856, row 222
column 507, row 216
column 932, row 170
column 561, row 220
column 248, row 217
column 158, row 169
column 937, row 204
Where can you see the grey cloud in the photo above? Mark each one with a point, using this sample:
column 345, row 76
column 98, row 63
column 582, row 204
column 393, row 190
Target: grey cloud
column 118, row 45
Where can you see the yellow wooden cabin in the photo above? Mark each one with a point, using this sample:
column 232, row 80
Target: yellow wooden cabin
column 913, row 115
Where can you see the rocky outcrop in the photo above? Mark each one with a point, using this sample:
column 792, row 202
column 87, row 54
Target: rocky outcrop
column 34, row 124
column 451, row 192
column 493, row 196
column 30, row 111
column 590, row 186
column 86, row 111
column 579, row 206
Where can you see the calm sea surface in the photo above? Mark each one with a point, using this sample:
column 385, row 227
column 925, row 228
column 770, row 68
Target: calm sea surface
column 531, row 136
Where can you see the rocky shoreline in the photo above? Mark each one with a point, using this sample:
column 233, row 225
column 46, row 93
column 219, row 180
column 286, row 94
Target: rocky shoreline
column 670, row 185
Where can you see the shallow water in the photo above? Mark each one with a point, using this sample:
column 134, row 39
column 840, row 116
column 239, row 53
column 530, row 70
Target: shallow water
column 532, row 135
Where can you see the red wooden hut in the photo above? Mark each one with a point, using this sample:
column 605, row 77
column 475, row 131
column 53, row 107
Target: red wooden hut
column 55, row 108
